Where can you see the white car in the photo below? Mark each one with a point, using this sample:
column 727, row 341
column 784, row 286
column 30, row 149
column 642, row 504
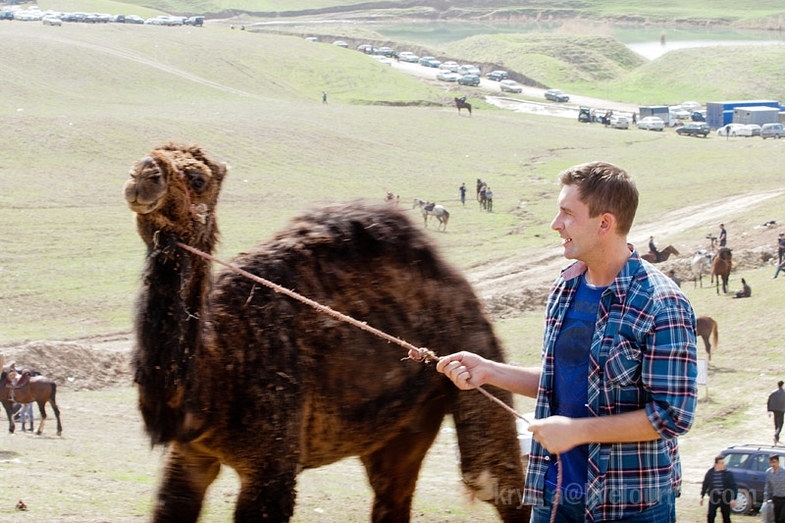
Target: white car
column 651, row 123
column 447, row 76
column 619, row 122
column 510, row 86
column 449, row 66
column 739, row 129
column 51, row 20
column 679, row 113
column 408, row 56
column 469, row 69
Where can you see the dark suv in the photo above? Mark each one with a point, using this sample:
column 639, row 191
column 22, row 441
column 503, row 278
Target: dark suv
column 748, row 463
column 694, row 129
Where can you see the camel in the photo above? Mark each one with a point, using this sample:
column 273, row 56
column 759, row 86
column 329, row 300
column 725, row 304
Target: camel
column 231, row 373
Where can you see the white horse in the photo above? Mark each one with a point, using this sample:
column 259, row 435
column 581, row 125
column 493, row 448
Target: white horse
column 431, row 209
column 700, row 263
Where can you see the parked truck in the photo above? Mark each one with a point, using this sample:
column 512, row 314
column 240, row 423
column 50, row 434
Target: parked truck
column 719, row 114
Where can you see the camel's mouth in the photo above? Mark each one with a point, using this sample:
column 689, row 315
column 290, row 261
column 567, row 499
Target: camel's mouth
column 142, row 208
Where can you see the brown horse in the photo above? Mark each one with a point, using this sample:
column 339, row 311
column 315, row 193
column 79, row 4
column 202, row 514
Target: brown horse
column 38, row 389
column 663, row 255
column 706, row 327
column 720, row 268
column 461, row 103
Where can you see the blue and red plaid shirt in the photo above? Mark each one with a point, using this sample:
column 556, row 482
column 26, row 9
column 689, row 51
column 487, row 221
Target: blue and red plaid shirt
column 643, row 356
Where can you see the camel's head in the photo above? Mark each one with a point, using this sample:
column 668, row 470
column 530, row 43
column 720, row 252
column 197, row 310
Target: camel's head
column 175, row 189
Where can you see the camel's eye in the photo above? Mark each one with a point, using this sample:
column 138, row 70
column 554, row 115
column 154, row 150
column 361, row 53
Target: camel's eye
column 196, row 181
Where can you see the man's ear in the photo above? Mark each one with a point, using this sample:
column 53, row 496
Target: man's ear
column 607, row 223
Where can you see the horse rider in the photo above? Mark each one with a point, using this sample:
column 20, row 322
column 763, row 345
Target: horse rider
column 653, row 249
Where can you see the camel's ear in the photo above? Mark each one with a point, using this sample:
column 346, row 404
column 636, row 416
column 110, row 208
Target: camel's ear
column 217, row 169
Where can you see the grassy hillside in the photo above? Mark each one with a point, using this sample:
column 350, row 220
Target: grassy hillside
column 741, row 12
column 90, row 100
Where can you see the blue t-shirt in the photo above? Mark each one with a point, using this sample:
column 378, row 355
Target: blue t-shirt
column 570, row 384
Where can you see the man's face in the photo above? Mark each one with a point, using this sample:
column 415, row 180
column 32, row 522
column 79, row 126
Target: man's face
column 775, row 464
column 577, row 230
column 719, row 465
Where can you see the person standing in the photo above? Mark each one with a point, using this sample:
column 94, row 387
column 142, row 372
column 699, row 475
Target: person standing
column 723, row 237
column 489, row 199
column 781, row 247
column 774, row 491
column 720, row 485
column 25, row 413
column 324, row 97
column 776, row 407
column 463, row 194
column 617, row 382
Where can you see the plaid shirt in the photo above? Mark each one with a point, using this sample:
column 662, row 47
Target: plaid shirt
column 643, row 356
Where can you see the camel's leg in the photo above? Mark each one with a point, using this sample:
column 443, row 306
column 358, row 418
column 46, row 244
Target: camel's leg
column 393, row 470
column 708, row 345
column 186, row 477
column 269, row 493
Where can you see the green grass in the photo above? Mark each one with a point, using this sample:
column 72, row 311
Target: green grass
column 90, row 100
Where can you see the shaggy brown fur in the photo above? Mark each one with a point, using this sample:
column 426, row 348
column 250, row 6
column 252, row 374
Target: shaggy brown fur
column 38, row 389
column 232, row 373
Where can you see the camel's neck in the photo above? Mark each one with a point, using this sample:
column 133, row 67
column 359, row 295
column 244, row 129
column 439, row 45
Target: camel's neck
column 168, row 329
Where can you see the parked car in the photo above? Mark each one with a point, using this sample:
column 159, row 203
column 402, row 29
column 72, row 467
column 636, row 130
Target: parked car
column 389, row 52
column 366, row 48
column 651, row 123
column 447, row 76
column 740, row 129
column 198, row 21
column 731, row 129
column 408, row 56
column 51, row 20
column 618, row 121
column 341, row 43
column 469, row 69
column 698, row 116
column 556, row 95
column 748, row 463
column 694, row 129
column 510, row 86
column 584, row 115
column 430, row 61
column 449, row 66
column 497, row 76
column 678, row 113
column 469, row 79
column 772, row 130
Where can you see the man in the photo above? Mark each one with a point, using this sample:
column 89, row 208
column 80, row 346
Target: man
column 653, row 249
column 723, row 237
column 624, row 332
column 781, row 248
column 463, row 194
column 720, row 485
column 776, row 406
column 774, row 491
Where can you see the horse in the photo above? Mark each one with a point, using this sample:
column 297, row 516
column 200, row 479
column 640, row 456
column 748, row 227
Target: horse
column 37, row 388
column 706, row 327
column 461, row 103
column 700, row 263
column 663, row 255
column 720, row 268
column 431, row 209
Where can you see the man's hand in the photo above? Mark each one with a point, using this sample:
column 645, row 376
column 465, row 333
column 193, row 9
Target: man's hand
column 557, row 433
column 466, row 369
